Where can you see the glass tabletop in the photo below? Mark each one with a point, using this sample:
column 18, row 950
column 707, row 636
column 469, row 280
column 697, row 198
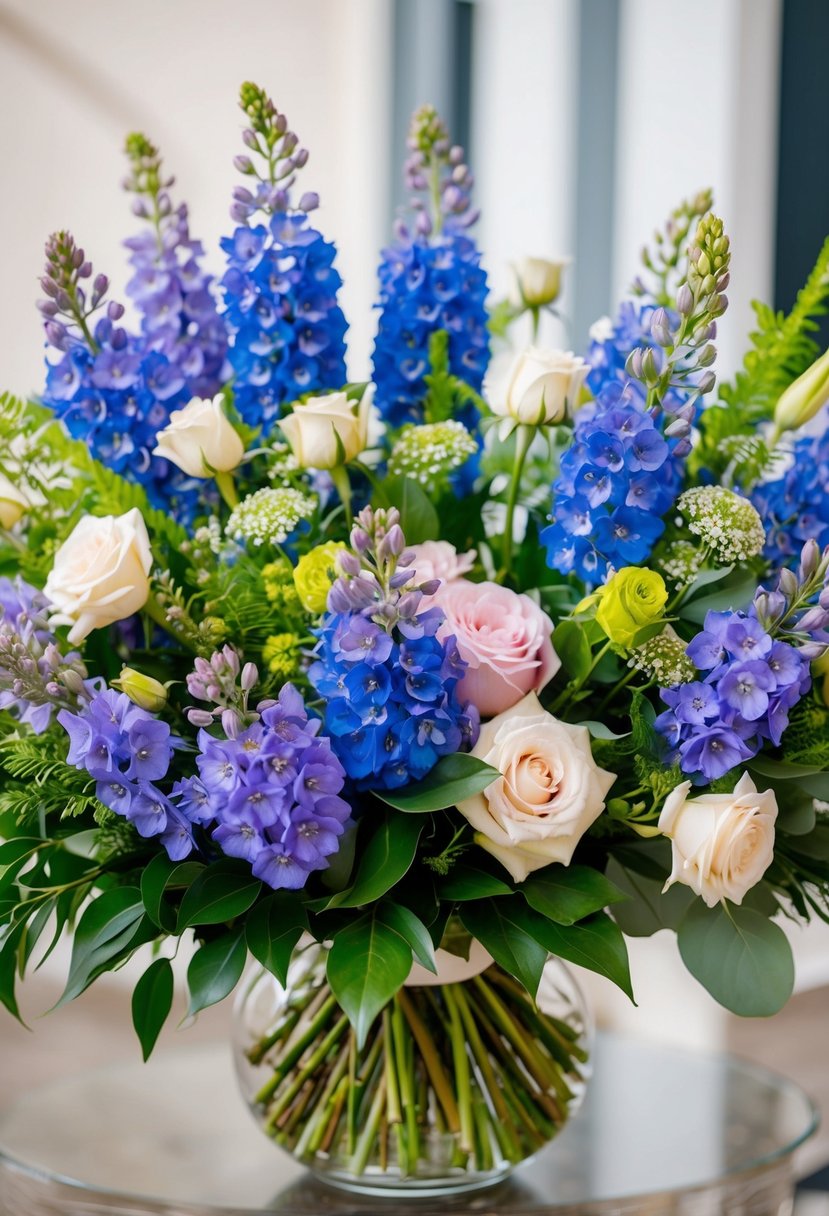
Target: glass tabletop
column 173, row 1136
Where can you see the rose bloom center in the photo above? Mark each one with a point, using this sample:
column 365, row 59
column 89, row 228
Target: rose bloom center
column 535, row 782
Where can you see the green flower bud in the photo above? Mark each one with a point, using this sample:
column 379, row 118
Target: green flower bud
column 142, row 690
column 804, row 397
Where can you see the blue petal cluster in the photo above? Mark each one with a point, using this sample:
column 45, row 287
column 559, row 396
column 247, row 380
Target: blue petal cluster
column 126, row 751
column 287, row 329
column 616, row 480
column 795, row 506
column 273, row 793
column 752, row 681
column 179, row 318
column 391, row 704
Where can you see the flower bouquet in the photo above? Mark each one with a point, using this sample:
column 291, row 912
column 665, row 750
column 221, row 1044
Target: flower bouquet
column 408, row 690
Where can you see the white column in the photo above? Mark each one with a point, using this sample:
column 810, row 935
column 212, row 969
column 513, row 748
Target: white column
column 698, row 101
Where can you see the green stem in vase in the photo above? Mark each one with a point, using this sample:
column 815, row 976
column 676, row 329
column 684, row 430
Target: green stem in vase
column 432, row 1062
column 523, row 439
column 503, row 1122
column 307, row 1071
column 351, row 1117
column 407, row 1091
column 365, row 1144
column 297, row 1049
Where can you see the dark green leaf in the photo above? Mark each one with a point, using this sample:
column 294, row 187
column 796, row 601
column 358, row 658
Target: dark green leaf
column 742, row 958
column 418, row 518
column 500, row 927
column 573, row 648
column 783, row 770
column 215, row 970
column 453, row 779
column 413, row 931
column 108, row 925
column 19, row 847
column 225, row 890
column 738, row 594
column 273, row 929
column 596, row 943
column 566, row 894
column 152, row 1000
column 367, row 964
column 705, row 578
column 8, row 971
column 647, row 910
column 34, row 928
column 466, row 882
column 164, row 875
column 383, row 862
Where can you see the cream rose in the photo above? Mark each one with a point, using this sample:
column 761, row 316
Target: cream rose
column 722, row 843
column 503, row 637
column 539, row 280
column 325, row 432
column 200, row 439
column 542, row 387
column 549, row 793
column 100, row 573
column 13, row 503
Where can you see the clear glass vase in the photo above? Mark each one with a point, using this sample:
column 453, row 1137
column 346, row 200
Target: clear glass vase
column 456, row 1084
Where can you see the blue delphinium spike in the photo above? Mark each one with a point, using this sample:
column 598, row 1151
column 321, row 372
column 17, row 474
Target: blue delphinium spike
column 431, row 279
column 280, row 287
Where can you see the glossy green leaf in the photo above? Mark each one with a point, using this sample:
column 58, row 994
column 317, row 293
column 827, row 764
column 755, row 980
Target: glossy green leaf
column 596, row 943
column 573, row 648
column 367, row 964
column 160, row 876
column 8, row 970
column 742, row 958
column 110, row 924
column 383, row 862
column 215, row 970
column 18, row 848
column 152, row 1000
column 500, row 927
column 223, row 891
column 418, row 517
column 647, row 910
column 467, row 882
column 273, row 929
column 453, row 779
column 413, row 931
column 735, row 595
column 566, row 894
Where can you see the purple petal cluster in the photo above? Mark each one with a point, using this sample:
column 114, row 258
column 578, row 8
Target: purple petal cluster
column 35, row 677
column 616, row 480
column 795, row 505
column 749, row 682
column 126, row 750
column 272, row 793
column 287, row 329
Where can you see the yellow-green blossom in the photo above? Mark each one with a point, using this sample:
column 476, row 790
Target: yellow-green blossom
column 142, row 690
column 314, row 574
column 634, row 597
column 804, row 397
column 281, row 653
column 278, row 579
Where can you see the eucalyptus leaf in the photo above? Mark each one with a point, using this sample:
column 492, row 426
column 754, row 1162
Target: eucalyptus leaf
column 367, row 963
column 453, row 779
column 152, row 1000
column 647, row 910
column 272, row 930
column 741, row 957
column 596, row 943
column 215, row 970
column 598, row 730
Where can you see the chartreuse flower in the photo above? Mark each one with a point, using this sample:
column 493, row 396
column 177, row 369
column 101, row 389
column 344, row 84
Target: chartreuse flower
column 314, row 574
column 633, row 599
column 281, row 653
column 142, row 690
column 804, row 397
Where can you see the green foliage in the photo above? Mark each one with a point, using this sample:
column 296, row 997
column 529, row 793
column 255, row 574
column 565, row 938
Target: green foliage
column 467, row 882
column 412, row 930
column 782, row 347
column 222, row 891
column 453, row 779
column 384, row 859
column 418, row 517
column 367, row 963
column 566, row 894
column 161, row 878
column 741, row 957
column 807, row 736
column 36, row 783
column 215, row 970
column 502, row 928
column 111, row 928
column 272, row 930
column 152, row 1000
column 647, row 909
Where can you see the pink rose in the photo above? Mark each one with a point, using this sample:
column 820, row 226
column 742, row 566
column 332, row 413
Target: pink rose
column 504, row 638
column 439, row 559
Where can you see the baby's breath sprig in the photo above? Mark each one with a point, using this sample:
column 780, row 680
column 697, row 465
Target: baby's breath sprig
column 269, row 516
column 429, row 453
column 727, row 524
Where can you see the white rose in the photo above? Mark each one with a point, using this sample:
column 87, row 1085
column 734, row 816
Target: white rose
column 200, row 439
column 542, row 387
column 550, row 792
column 100, row 573
column 539, row 280
column 325, row 432
column 13, row 503
column 722, row 843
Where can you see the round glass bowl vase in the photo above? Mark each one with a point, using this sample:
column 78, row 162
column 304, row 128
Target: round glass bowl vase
column 455, row 1084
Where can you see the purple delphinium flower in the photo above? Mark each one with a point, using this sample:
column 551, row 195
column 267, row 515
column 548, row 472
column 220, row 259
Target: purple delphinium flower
column 272, row 793
column 795, row 505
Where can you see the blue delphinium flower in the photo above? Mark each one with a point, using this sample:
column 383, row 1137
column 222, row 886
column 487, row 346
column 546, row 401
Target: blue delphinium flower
column 389, row 681
column 179, row 317
column 795, row 505
column 271, row 795
column 280, row 287
column 431, row 279
column 616, row 480
column 126, row 750
column 749, row 681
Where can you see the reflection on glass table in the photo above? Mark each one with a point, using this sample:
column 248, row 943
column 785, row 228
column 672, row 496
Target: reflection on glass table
column 661, row 1131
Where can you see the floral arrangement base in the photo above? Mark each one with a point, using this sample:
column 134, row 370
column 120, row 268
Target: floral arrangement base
column 450, row 1087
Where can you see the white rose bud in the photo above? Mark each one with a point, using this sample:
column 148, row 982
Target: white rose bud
column 550, row 792
column 722, row 843
column 326, row 432
column 13, row 503
column 200, row 439
column 100, row 573
column 542, row 387
column 539, row 280
column 805, row 396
